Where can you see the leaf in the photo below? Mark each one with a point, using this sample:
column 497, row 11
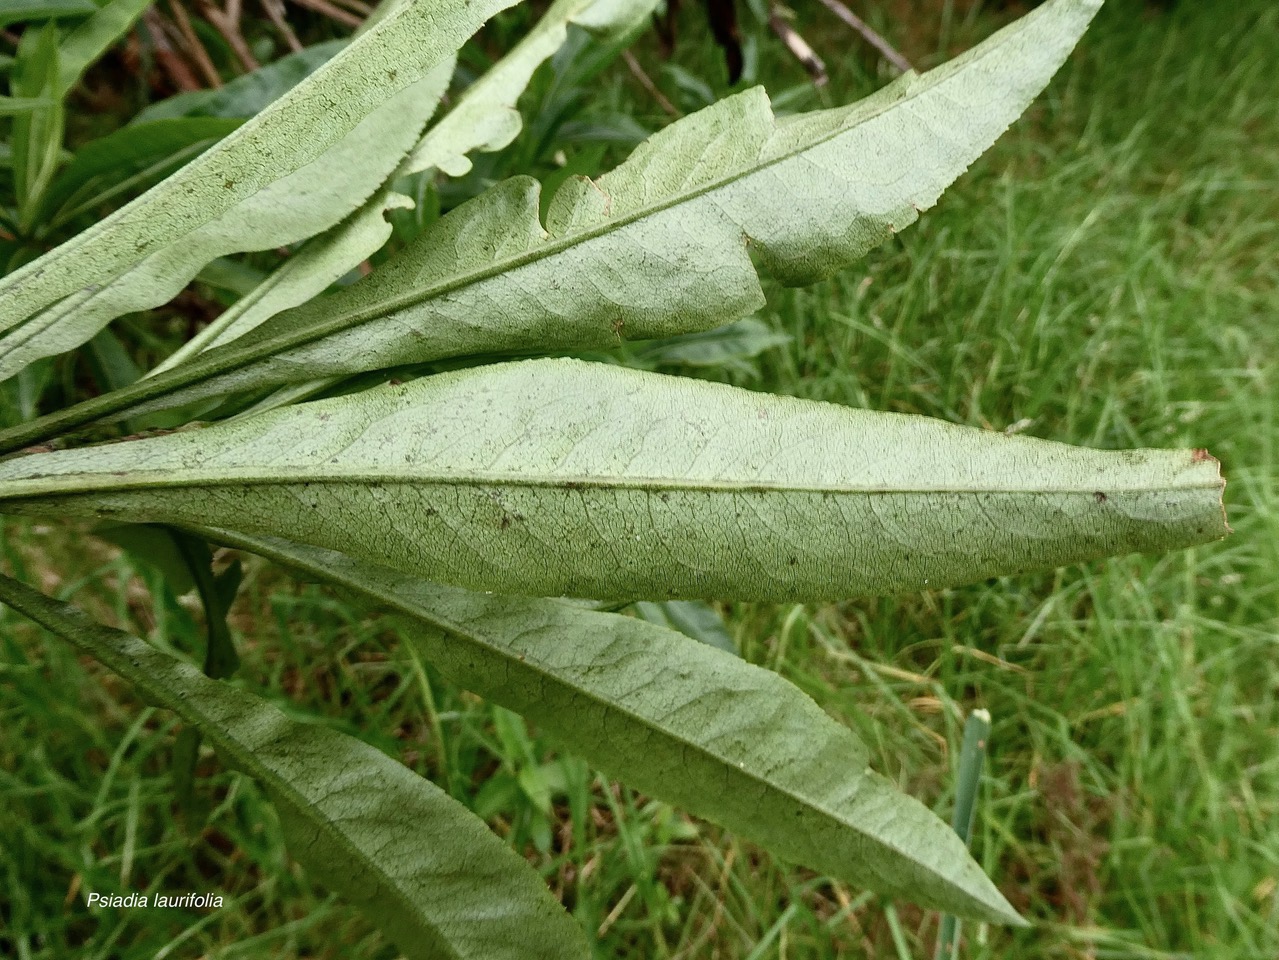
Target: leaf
column 563, row 478
column 680, row 720
column 292, row 171
column 728, row 347
column 90, row 38
column 485, row 118
column 186, row 563
column 659, row 246
column 248, row 94
column 320, row 262
column 418, row 863
column 112, row 365
column 155, row 546
column 36, row 134
column 20, row 396
column 20, row 11
column 693, row 618
column 289, row 209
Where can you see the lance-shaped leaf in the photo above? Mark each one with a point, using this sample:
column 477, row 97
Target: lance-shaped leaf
column 657, row 247
column 417, row 862
column 88, row 40
column 678, row 719
column 295, row 169
column 279, row 212
column 485, row 118
column 564, row 478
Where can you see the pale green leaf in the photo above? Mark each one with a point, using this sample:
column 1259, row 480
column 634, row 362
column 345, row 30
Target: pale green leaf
column 284, row 211
column 615, row 18
column 417, row 862
column 680, row 720
column 296, row 168
column 486, row 117
column 564, row 478
column 659, row 246
column 318, row 264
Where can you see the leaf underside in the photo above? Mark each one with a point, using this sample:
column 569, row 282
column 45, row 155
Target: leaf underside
column 417, row 862
column 663, row 245
column 295, row 169
column 558, row 477
column 680, row 720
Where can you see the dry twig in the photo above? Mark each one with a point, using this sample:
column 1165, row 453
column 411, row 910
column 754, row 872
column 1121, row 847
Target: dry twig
column 227, row 23
column 355, row 6
column 647, row 82
column 885, row 48
column 331, row 11
column 170, row 61
column 275, row 13
column 799, row 48
column 192, row 45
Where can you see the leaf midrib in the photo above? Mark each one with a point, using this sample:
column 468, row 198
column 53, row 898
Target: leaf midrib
column 81, row 483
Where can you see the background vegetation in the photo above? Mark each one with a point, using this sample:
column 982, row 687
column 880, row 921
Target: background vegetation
column 1107, row 275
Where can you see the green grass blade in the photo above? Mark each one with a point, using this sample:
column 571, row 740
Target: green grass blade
column 36, row 137
column 655, row 248
column 679, row 719
column 564, row 478
column 417, row 862
column 972, row 756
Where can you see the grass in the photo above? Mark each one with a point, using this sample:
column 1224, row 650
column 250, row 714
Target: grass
column 1106, row 275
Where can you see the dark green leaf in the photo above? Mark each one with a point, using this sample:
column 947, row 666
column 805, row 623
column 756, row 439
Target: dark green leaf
column 20, row 11
column 693, row 618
